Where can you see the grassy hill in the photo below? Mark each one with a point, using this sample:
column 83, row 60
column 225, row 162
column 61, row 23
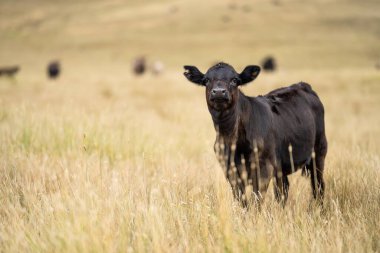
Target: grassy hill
column 321, row 34
column 100, row 160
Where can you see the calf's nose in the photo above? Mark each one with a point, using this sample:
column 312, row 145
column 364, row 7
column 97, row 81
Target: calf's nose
column 218, row 92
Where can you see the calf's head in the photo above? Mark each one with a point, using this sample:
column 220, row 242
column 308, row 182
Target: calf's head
column 221, row 82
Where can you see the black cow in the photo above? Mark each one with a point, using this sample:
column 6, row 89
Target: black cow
column 266, row 136
column 269, row 64
column 139, row 65
column 9, row 71
column 53, row 69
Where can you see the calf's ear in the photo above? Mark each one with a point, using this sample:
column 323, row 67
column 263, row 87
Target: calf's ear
column 249, row 74
column 193, row 74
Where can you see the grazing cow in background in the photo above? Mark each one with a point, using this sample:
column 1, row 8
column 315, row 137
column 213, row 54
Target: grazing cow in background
column 266, row 136
column 9, row 71
column 269, row 64
column 54, row 69
column 139, row 65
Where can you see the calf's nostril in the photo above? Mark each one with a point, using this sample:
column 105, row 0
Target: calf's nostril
column 219, row 91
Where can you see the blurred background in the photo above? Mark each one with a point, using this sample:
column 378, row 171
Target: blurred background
column 105, row 146
column 320, row 34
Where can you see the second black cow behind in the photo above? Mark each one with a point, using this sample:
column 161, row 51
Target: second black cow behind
column 266, row 136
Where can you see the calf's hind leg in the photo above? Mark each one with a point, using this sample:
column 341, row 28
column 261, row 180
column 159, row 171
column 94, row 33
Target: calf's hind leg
column 316, row 168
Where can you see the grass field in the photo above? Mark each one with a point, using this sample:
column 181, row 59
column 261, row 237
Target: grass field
column 102, row 161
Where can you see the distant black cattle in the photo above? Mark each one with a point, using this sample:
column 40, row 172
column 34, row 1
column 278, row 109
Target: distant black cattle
column 9, row 71
column 269, row 64
column 139, row 65
column 266, row 136
column 54, row 69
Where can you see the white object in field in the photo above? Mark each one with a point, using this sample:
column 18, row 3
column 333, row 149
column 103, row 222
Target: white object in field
column 157, row 67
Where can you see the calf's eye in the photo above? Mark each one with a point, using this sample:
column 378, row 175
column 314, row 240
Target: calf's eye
column 234, row 82
column 206, row 81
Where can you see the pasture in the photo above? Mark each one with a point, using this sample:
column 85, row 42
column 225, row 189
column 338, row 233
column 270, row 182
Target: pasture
column 100, row 160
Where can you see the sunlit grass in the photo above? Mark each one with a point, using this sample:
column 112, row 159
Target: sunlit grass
column 101, row 161
column 120, row 178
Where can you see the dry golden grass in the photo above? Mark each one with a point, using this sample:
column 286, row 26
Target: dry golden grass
column 101, row 161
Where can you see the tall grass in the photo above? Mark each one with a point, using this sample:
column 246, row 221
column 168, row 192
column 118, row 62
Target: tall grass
column 119, row 178
column 100, row 161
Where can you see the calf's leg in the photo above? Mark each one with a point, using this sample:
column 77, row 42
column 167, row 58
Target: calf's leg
column 317, row 167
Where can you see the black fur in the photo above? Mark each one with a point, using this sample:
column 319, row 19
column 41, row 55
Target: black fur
column 269, row 64
column 9, row 71
column 54, row 69
column 291, row 115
